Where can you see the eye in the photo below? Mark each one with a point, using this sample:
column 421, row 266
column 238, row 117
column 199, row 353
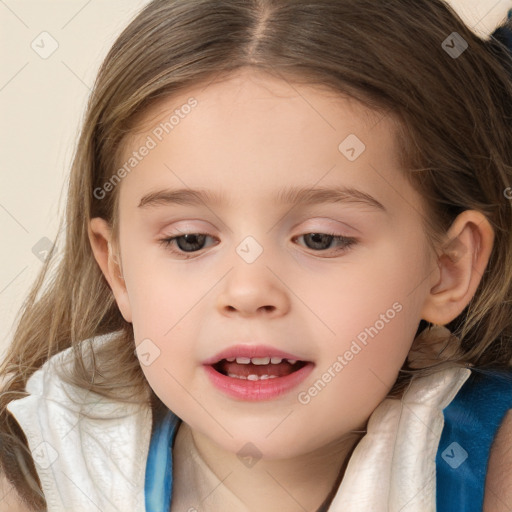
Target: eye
column 194, row 242
column 322, row 241
column 186, row 243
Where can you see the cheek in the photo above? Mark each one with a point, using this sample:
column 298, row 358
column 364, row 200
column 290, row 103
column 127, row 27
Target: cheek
column 161, row 290
column 384, row 287
column 373, row 311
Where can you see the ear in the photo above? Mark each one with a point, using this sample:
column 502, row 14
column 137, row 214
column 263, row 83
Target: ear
column 108, row 259
column 461, row 265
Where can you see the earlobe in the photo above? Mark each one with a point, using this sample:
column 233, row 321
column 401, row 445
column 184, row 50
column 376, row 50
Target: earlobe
column 108, row 260
column 461, row 265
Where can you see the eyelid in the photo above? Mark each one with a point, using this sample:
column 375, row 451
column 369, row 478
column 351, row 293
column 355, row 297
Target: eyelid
column 186, row 227
column 306, row 225
column 309, row 225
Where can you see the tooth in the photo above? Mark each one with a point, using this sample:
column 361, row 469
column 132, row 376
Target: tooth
column 230, row 359
column 252, row 377
column 292, row 361
column 275, row 360
column 260, row 360
column 243, row 360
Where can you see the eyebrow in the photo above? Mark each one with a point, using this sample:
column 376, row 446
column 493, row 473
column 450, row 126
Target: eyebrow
column 291, row 195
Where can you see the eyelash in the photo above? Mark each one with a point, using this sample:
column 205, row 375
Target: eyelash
column 347, row 242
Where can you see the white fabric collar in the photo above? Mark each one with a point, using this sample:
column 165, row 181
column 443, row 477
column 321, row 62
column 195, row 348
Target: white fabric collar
column 91, row 452
column 394, row 465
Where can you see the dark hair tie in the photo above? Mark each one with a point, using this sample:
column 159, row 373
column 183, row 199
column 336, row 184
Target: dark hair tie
column 502, row 37
column 504, row 32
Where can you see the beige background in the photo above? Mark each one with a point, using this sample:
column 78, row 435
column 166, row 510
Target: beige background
column 41, row 104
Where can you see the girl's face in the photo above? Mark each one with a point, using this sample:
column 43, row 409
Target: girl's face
column 270, row 173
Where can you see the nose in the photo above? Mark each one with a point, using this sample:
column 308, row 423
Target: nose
column 253, row 290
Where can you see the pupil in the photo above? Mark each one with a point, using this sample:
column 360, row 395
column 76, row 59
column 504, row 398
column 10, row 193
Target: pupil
column 317, row 239
column 189, row 239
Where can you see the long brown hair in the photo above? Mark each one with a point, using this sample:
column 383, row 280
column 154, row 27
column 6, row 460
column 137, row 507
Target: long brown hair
column 454, row 115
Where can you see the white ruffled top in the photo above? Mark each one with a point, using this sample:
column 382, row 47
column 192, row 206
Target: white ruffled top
column 90, row 452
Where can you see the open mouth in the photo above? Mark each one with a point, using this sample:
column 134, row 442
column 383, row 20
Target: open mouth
column 257, row 368
column 256, row 373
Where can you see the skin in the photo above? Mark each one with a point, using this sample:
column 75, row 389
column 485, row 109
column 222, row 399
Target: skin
column 250, row 136
column 498, row 484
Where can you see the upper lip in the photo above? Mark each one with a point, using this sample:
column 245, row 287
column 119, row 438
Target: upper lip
column 250, row 351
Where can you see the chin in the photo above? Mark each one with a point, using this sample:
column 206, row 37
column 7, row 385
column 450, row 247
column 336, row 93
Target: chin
column 256, row 442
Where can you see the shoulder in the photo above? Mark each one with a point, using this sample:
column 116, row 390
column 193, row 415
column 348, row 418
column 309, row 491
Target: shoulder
column 498, row 484
column 9, row 498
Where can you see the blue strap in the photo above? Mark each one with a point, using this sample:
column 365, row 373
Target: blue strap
column 471, row 423
column 158, row 481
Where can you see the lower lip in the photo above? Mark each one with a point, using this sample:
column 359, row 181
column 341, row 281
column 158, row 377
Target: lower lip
column 255, row 390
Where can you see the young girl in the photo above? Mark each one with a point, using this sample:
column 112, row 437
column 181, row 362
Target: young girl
column 286, row 278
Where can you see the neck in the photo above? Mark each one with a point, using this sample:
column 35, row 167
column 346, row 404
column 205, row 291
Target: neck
column 306, row 482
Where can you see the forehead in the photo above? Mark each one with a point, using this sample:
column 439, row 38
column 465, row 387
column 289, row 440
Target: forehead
column 251, row 90
column 253, row 133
